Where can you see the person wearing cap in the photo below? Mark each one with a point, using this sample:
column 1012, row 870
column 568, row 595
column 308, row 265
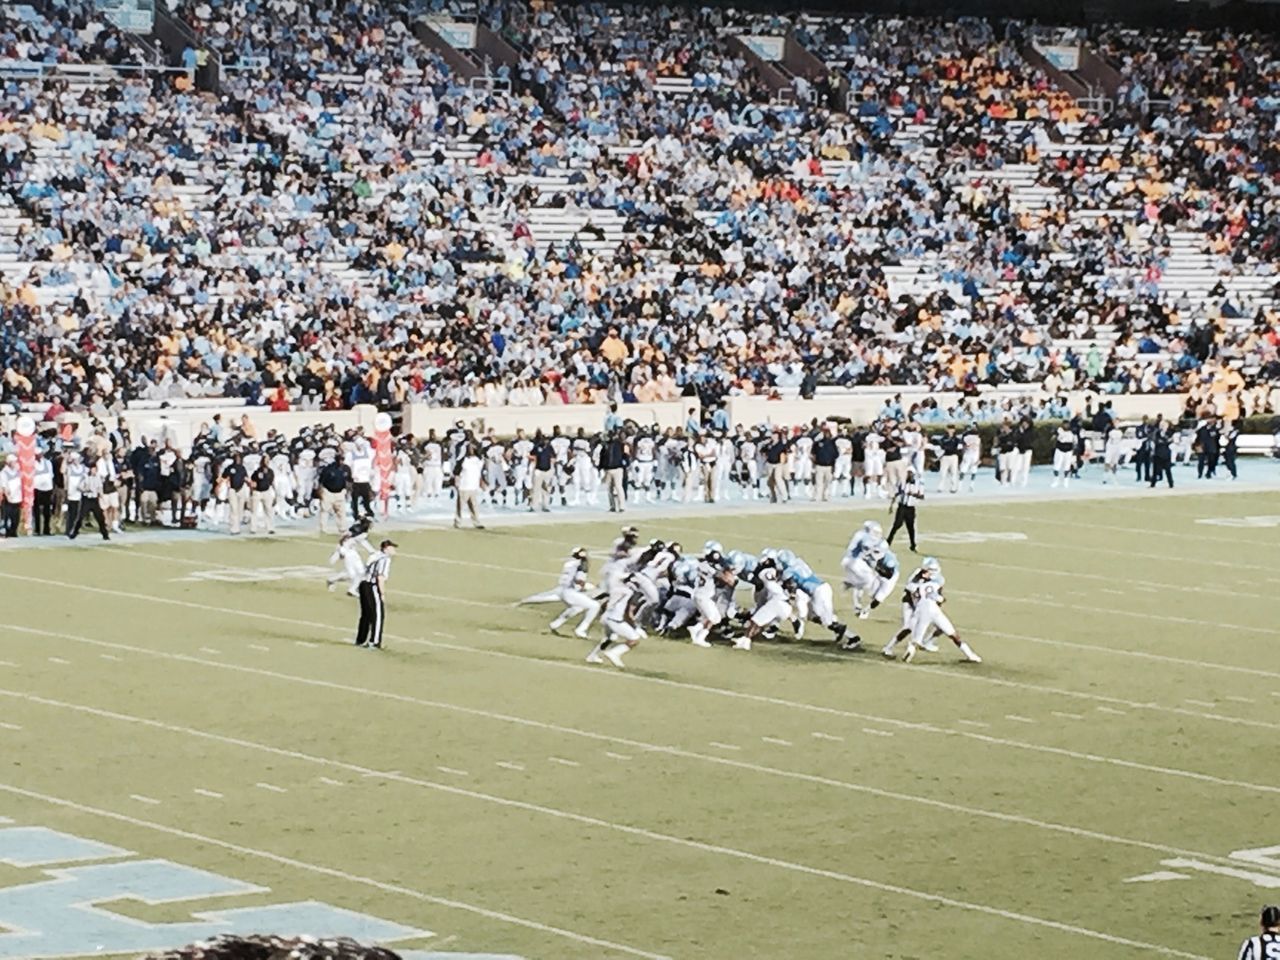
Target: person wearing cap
column 372, row 603
column 1266, row 945
column 10, row 496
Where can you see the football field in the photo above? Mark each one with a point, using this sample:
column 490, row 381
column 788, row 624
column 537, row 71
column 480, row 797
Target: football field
column 1105, row 785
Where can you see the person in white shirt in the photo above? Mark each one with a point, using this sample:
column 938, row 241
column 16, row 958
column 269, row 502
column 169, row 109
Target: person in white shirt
column 11, row 492
column 361, row 478
column 72, row 477
column 432, row 468
column 43, row 482
column 468, row 479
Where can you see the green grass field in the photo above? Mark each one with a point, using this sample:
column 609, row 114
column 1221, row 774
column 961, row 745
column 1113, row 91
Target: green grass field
column 478, row 781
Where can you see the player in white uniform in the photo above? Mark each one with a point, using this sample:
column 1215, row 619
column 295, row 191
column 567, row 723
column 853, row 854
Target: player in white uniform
column 348, row 551
column 1064, row 455
column 571, row 589
column 801, row 463
column 928, row 568
column 859, row 563
column 773, row 607
column 1114, row 454
column 651, row 574
column 873, row 469
column 642, row 469
column 711, row 575
column 927, row 618
column 406, row 481
column 972, row 456
column 620, row 631
column 432, row 469
column 585, row 485
column 842, row 476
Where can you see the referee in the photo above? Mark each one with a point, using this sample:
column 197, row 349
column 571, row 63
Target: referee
column 373, row 608
column 910, row 492
column 1266, row 945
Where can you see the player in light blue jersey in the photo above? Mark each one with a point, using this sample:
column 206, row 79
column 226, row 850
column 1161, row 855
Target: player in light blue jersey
column 814, row 599
column 859, row 563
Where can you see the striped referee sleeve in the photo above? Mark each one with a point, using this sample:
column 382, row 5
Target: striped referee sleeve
column 1251, row 949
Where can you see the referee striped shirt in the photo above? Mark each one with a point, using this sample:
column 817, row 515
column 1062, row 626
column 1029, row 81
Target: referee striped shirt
column 1265, row 946
column 909, row 494
column 379, row 566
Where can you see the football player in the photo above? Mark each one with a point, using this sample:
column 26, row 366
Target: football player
column 571, row 590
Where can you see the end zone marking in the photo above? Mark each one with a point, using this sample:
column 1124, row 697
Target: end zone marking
column 1018, row 718
column 878, row 733
column 778, row 741
column 819, row 735
column 60, row 661
column 141, row 799
column 454, row 771
column 207, row 793
column 508, row 765
column 563, row 762
column 270, row 786
column 722, row 746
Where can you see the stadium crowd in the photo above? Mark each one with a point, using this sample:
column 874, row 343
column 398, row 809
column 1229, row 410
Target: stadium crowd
column 349, row 222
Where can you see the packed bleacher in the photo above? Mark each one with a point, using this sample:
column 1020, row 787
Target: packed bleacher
column 629, row 211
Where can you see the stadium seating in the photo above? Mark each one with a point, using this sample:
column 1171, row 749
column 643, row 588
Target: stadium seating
column 351, row 221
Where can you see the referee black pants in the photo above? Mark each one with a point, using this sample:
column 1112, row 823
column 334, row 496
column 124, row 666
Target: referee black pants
column 361, row 499
column 372, row 613
column 905, row 517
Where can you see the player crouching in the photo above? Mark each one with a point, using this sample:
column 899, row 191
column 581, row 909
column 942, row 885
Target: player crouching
column 621, row 633
column 922, row 616
column 571, row 590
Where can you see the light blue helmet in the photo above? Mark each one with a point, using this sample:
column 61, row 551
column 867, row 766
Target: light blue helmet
column 768, row 553
column 712, row 546
column 786, row 557
column 931, row 564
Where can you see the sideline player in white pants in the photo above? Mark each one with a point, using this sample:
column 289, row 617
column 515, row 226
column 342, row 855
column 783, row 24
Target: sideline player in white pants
column 1064, row 446
column 348, row 551
column 571, row 590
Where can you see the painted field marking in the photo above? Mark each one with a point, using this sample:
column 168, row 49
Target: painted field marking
column 1157, row 877
column 270, row 786
column 1017, row 718
column 216, row 653
column 505, row 764
column 819, row 735
column 1238, row 699
column 1200, row 703
column 333, row 873
column 258, row 646
column 10, row 726
column 616, row 756
column 332, row 782
column 563, row 762
column 60, row 662
column 213, row 794
column 974, row 723
column 633, row 677
column 142, row 799
column 109, row 656
column 777, row 741
column 723, row 746
column 1068, row 716
column 1113, row 711
column 7, row 663
column 877, row 733
column 701, row 846
column 453, row 771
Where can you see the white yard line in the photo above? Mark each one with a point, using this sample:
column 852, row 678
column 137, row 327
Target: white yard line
column 211, row 650
column 1018, row 718
column 109, row 656
column 142, row 799
column 563, row 762
column 1118, row 713
column 334, row 873
column 876, row 733
column 819, row 735
column 1068, row 716
column 60, row 661
column 505, row 764
column 701, row 846
column 1238, row 699
column 974, row 723
column 332, row 782
column 1200, row 703
column 259, row 646
column 616, row 756
column 213, row 794
column 4, row 724
column 270, row 786
column 723, row 746
column 678, row 684
column 453, row 771
column 777, row 741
